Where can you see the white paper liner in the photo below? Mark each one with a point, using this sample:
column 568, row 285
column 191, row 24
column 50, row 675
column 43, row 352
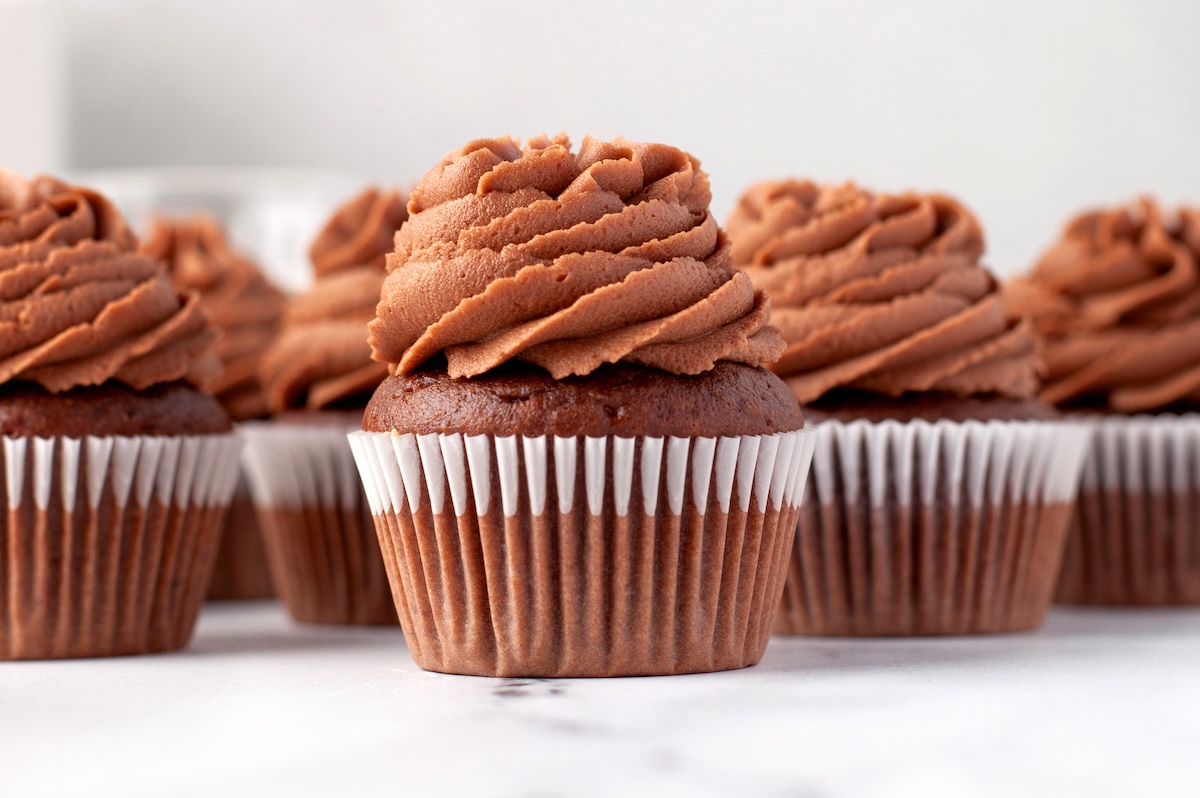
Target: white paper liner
column 932, row 528
column 1135, row 538
column 560, row 556
column 320, row 539
column 109, row 541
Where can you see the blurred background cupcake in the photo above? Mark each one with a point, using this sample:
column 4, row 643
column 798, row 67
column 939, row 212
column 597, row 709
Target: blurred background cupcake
column 941, row 490
column 118, row 469
column 1117, row 302
column 580, row 467
column 245, row 311
column 318, row 375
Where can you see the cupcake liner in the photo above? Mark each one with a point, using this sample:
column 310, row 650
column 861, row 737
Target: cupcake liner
column 549, row 556
column 1135, row 535
column 108, row 542
column 241, row 572
column 925, row 528
column 318, row 533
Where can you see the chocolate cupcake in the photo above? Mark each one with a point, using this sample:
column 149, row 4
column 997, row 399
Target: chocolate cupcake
column 580, row 467
column 940, row 493
column 117, row 470
column 1117, row 302
column 318, row 376
column 245, row 312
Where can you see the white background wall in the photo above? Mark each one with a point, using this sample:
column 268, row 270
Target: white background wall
column 1026, row 109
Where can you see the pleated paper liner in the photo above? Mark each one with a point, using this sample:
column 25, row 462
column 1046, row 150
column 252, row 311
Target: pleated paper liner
column 107, row 543
column 241, row 571
column 320, row 540
column 610, row 556
column 1135, row 536
column 938, row 528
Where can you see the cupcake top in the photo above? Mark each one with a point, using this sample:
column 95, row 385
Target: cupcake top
column 81, row 306
column 321, row 358
column 1117, row 301
column 566, row 260
column 243, row 308
column 879, row 293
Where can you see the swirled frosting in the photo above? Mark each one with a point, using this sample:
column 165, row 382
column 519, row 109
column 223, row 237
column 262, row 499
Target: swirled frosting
column 321, row 357
column 79, row 305
column 880, row 293
column 243, row 308
column 566, row 260
column 1117, row 302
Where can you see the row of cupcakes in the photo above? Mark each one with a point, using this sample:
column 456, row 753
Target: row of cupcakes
column 940, row 496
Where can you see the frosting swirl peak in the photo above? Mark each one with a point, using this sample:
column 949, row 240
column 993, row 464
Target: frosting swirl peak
column 1117, row 302
column 567, row 260
column 79, row 305
column 243, row 308
column 877, row 292
column 321, row 358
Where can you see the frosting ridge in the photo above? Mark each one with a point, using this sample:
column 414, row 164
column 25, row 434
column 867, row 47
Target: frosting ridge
column 879, row 292
column 243, row 308
column 321, row 357
column 1117, row 302
column 567, row 260
column 79, row 305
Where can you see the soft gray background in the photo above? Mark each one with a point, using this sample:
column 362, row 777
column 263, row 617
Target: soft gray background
column 1026, row 109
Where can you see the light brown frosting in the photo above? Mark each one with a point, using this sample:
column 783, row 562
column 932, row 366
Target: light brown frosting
column 878, row 292
column 243, row 308
column 566, row 260
column 321, row 357
column 79, row 305
column 1117, row 301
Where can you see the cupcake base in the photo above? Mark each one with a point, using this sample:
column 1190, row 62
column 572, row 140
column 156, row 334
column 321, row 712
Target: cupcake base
column 1135, row 536
column 241, row 572
column 108, row 543
column 564, row 557
column 931, row 529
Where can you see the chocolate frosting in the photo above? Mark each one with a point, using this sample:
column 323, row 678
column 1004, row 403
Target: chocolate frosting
column 568, row 261
column 243, row 308
column 321, row 357
column 881, row 293
column 1117, row 302
column 79, row 305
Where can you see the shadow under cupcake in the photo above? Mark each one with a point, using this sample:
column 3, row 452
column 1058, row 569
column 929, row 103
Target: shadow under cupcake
column 940, row 493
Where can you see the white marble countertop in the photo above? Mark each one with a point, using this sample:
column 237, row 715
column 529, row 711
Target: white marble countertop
column 1098, row 703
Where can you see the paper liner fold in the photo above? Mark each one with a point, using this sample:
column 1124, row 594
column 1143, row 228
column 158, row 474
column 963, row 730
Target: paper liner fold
column 107, row 543
column 241, row 571
column 1135, row 535
column 584, row 556
column 925, row 528
column 319, row 537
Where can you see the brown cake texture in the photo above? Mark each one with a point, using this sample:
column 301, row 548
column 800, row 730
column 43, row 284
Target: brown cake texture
column 115, row 459
column 597, row 470
column 1116, row 303
column 317, row 376
column 900, row 349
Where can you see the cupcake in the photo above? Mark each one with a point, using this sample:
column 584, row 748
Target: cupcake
column 318, row 376
column 1117, row 302
column 118, row 470
column 579, row 466
column 940, row 490
column 245, row 312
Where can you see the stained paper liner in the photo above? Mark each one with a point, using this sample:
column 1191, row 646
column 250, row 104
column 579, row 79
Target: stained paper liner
column 107, row 543
column 320, row 541
column 548, row 556
column 1135, row 535
column 241, row 570
column 925, row 528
